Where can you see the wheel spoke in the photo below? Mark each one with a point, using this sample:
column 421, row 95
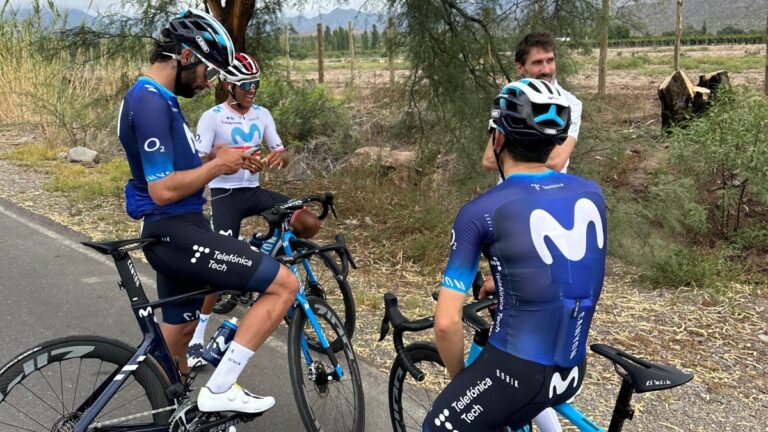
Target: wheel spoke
column 26, row 415
column 41, row 399
column 16, row 426
column 61, row 398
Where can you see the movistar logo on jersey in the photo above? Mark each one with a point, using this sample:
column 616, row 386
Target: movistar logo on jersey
column 246, row 137
column 572, row 243
column 558, row 385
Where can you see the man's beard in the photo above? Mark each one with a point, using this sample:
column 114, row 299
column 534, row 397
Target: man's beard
column 185, row 85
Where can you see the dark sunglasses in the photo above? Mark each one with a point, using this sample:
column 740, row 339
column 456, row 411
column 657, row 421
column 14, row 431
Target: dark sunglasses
column 211, row 74
column 247, row 85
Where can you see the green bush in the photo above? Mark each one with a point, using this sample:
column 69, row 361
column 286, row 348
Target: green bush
column 308, row 112
column 677, row 266
column 718, row 164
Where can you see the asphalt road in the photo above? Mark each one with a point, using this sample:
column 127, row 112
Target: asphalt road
column 51, row 286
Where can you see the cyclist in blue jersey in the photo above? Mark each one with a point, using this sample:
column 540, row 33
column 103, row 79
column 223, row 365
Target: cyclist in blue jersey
column 239, row 123
column 544, row 235
column 166, row 193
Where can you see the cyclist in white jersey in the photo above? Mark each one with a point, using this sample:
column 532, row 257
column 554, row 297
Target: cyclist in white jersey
column 239, row 123
column 535, row 58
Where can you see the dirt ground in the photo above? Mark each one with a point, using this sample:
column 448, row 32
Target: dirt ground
column 723, row 341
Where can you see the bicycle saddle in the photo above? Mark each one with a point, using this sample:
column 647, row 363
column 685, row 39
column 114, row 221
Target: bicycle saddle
column 113, row 246
column 642, row 374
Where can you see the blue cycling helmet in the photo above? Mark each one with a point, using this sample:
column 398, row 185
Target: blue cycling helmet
column 207, row 37
column 531, row 111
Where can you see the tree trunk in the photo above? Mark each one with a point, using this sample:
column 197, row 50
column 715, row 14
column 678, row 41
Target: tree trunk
column 320, row 53
column 678, row 33
column 234, row 16
column 603, row 66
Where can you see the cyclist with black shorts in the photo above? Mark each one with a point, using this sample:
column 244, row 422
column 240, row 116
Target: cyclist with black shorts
column 166, row 193
column 544, row 235
column 240, row 124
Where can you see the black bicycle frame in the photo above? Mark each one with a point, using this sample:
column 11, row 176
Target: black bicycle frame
column 153, row 345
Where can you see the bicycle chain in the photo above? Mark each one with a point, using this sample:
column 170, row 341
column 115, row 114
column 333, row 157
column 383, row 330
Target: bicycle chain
column 130, row 417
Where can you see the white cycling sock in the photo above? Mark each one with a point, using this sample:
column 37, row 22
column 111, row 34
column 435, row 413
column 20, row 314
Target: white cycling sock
column 547, row 421
column 199, row 336
column 229, row 368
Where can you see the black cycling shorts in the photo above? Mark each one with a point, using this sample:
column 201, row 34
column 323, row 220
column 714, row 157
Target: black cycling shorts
column 230, row 206
column 190, row 257
column 499, row 390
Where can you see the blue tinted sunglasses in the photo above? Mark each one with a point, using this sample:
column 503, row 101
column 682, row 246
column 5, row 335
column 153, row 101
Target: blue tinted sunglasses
column 247, row 85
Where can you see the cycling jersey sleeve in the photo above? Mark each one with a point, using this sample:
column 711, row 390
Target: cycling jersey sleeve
column 206, row 130
column 270, row 134
column 153, row 122
column 468, row 236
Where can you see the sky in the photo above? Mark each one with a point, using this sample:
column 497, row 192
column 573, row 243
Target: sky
column 309, row 11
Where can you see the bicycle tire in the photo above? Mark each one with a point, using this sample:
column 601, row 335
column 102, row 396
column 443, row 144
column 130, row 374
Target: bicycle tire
column 34, row 393
column 410, row 400
column 320, row 402
column 225, row 303
column 329, row 277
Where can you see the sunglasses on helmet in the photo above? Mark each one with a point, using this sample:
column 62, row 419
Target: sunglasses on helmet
column 247, row 85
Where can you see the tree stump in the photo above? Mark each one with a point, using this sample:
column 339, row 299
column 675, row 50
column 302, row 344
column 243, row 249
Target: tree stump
column 713, row 81
column 680, row 98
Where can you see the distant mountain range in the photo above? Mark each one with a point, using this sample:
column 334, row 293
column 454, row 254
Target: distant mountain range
column 659, row 15
column 656, row 16
column 338, row 18
column 75, row 17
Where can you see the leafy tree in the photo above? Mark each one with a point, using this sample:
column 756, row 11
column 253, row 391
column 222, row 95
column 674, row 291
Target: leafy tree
column 365, row 41
column 704, row 28
column 374, row 37
column 618, row 31
column 730, row 30
column 328, row 38
column 447, row 44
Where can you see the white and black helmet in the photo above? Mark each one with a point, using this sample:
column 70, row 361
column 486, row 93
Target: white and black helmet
column 205, row 36
column 531, row 111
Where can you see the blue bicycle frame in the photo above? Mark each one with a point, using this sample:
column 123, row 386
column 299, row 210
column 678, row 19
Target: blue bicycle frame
column 301, row 301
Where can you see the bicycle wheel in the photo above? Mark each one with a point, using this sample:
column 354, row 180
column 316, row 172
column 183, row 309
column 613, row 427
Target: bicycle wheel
column 47, row 387
column 410, row 400
column 323, row 404
column 330, row 286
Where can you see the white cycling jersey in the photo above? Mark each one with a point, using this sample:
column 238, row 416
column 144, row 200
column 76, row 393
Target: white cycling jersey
column 223, row 125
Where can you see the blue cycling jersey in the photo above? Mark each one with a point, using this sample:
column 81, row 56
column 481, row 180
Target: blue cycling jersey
column 544, row 236
column 157, row 142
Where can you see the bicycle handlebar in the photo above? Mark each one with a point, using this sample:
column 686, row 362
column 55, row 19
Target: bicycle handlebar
column 401, row 324
column 278, row 214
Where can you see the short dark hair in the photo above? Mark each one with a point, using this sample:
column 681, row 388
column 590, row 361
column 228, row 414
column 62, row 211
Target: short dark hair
column 530, row 151
column 543, row 40
column 165, row 44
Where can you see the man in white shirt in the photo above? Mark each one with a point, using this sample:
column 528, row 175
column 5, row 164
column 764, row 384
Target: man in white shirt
column 535, row 58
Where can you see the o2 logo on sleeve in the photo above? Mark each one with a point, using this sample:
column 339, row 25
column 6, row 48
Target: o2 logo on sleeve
column 153, row 144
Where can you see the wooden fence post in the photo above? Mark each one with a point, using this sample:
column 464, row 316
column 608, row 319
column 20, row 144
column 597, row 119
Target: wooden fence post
column 391, row 49
column 320, row 53
column 351, row 53
column 288, row 50
column 603, row 65
column 678, row 33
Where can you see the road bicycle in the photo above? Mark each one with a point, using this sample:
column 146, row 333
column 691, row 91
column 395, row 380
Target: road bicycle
column 319, row 271
column 411, row 398
column 93, row 383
